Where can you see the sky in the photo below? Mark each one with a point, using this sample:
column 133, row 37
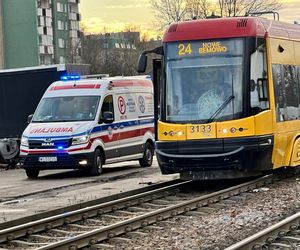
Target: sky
column 100, row 16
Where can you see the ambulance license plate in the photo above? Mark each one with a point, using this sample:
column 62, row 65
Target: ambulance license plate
column 48, row 159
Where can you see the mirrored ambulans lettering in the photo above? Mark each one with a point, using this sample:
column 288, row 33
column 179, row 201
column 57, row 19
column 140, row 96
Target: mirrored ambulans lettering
column 51, row 130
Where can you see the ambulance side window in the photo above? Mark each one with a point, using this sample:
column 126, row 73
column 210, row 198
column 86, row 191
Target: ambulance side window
column 107, row 106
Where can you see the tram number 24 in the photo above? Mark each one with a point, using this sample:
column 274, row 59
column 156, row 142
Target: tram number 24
column 200, row 129
column 184, row 49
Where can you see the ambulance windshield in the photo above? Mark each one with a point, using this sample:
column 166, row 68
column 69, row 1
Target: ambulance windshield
column 67, row 109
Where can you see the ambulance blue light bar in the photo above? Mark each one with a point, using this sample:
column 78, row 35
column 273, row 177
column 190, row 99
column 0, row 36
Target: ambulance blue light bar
column 70, row 77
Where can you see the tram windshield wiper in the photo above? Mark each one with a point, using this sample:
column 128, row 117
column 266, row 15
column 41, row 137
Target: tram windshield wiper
column 224, row 104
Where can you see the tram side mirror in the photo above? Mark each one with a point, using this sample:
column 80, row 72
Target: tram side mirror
column 252, row 85
column 108, row 117
column 142, row 63
column 29, row 118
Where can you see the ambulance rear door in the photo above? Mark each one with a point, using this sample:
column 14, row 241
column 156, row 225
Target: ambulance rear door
column 127, row 114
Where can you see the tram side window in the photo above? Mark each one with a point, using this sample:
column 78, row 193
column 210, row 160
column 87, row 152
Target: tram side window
column 259, row 99
column 291, row 90
column 286, row 92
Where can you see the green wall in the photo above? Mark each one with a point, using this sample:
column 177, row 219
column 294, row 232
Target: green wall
column 20, row 33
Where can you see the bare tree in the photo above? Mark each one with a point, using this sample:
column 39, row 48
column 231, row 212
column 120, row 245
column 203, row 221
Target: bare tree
column 92, row 49
column 73, row 50
column 232, row 8
column 168, row 11
column 198, row 9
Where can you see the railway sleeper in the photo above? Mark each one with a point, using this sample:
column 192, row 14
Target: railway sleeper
column 228, row 201
column 44, row 237
column 195, row 213
column 154, row 205
column 206, row 209
column 280, row 245
column 295, row 232
column 110, row 216
column 66, row 232
column 162, row 202
column 138, row 209
column 94, row 221
column 21, row 243
column 117, row 240
column 102, row 246
column 290, row 238
column 167, row 223
column 136, row 234
column 123, row 212
column 217, row 205
column 151, row 228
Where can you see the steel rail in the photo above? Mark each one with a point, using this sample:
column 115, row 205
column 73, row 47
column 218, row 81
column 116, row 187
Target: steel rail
column 268, row 235
column 27, row 229
column 107, row 232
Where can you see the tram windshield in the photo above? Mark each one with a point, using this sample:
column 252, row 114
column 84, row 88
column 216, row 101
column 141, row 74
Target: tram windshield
column 204, row 80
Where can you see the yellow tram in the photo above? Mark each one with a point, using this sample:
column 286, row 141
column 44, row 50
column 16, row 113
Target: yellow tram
column 227, row 97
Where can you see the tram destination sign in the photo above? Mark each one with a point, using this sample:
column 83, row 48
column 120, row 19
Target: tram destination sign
column 204, row 48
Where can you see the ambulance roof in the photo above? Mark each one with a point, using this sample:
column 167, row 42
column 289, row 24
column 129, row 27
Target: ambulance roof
column 94, row 86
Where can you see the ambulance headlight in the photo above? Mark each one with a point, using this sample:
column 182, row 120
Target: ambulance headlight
column 24, row 141
column 80, row 139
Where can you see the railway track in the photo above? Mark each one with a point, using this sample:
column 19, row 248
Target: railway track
column 92, row 225
column 282, row 235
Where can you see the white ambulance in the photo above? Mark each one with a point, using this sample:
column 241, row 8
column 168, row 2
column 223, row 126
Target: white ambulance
column 86, row 123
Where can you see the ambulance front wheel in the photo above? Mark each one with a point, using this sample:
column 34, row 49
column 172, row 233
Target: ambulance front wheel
column 147, row 159
column 96, row 168
column 32, row 173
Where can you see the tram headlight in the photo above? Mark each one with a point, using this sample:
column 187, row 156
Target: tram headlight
column 224, row 130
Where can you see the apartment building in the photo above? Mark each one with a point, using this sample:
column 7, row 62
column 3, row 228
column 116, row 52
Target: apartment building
column 39, row 32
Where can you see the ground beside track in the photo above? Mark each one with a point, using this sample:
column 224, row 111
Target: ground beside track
column 20, row 197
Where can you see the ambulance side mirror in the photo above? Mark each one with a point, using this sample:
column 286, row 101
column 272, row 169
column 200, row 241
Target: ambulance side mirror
column 142, row 63
column 29, row 118
column 108, row 117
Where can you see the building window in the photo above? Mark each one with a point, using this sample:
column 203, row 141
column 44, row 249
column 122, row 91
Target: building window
column 61, row 43
column 59, row 7
column 61, row 59
column 60, row 25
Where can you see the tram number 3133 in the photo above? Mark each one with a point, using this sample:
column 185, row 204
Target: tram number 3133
column 200, row 129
